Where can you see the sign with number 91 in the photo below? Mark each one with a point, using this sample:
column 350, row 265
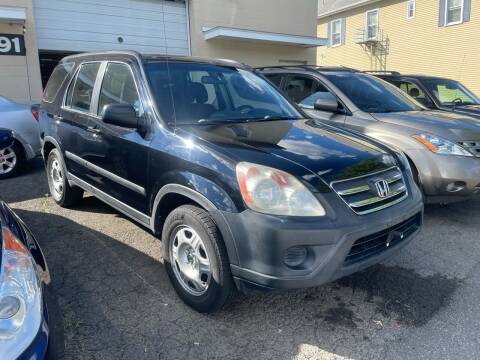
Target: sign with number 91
column 12, row 44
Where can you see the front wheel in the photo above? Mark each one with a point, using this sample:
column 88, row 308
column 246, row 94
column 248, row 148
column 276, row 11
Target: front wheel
column 63, row 194
column 196, row 260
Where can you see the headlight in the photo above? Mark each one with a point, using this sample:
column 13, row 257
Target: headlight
column 439, row 145
column 275, row 192
column 20, row 298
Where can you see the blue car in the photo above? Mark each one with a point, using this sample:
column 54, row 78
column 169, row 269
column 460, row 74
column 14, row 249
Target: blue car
column 24, row 331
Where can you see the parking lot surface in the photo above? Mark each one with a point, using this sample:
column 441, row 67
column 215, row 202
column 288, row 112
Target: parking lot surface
column 110, row 297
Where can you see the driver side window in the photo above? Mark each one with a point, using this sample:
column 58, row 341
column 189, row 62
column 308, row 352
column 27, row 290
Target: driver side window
column 305, row 90
column 414, row 91
column 118, row 86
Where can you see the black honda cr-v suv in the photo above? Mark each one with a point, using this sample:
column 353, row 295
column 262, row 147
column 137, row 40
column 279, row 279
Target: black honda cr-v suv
column 245, row 190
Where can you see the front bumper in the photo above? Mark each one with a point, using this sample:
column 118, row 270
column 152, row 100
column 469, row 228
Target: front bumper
column 447, row 178
column 260, row 242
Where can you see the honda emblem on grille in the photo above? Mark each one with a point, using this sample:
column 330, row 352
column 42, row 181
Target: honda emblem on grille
column 382, row 188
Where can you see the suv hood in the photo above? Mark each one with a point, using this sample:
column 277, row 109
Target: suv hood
column 331, row 153
column 449, row 125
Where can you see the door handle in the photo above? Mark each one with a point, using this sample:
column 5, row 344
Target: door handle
column 93, row 129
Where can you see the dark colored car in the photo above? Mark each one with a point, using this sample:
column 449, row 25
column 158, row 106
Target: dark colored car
column 24, row 325
column 246, row 191
column 443, row 148
column 436, row 93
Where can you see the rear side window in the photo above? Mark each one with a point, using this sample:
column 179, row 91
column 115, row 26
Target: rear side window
column 56, row 80
column 80, row 93
column 118, row 87
column 275, row 78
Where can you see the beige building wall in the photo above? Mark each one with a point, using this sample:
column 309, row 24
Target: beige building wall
column 417, row 45
column 279, row 16
column 20, row 75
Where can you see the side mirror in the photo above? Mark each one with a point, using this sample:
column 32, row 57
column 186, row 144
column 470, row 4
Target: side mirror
column 123, row 115
column 329, row 104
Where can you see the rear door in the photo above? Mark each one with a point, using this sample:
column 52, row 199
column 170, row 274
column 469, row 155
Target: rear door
column 119, row 155
column 73, row 120
column 305, row 90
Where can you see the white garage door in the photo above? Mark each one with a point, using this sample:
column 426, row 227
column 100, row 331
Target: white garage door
column 149, row 26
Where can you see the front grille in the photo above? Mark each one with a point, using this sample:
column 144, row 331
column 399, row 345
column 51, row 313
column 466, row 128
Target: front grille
column 375, row 244
column 362, row 196
column 472, row 146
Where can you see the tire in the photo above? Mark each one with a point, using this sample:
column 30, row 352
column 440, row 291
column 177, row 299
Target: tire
column 63, row 194
column 203, row 292
column 12, row 160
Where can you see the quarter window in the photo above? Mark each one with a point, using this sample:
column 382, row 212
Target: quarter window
column 81, row 90
column 410, row 9
column 453, row 12
column 336, row 32
column 372, row 24
column 118, row 86
column 56, row 80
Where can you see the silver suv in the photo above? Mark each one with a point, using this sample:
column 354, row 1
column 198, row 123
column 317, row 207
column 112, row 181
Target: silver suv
column 443, row 148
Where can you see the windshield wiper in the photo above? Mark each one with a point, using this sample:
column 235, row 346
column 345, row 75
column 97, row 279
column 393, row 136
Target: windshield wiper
column 246, row 120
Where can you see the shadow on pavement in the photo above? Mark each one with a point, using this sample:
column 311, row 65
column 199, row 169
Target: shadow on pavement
column 30, row 184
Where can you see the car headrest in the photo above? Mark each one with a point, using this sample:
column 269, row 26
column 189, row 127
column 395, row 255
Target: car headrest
column 197, row 93
column 413, row 92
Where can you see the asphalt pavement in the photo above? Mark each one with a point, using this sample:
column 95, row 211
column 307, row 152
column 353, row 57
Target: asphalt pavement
column 111, row 299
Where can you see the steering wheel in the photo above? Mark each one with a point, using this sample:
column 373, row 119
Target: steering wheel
column 245, row 109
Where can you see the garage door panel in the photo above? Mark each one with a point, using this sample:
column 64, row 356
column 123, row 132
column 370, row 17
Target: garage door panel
column 45, row 27
column 170, row 8
column 76, row 8
column 110, row 38
column 150, row 26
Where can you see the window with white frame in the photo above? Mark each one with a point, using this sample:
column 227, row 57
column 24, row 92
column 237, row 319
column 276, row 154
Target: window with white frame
column 372, row 24
column 410, row 9
column 336, row 32
column 453, row 12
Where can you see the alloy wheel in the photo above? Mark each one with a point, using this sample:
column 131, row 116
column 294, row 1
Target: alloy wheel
column 8, row 160
column 190, row 261
column 56, row 177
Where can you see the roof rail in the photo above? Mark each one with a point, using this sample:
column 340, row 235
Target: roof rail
column 382, row 72
column 307, row 67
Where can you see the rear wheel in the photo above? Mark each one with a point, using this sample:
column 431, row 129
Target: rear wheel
column 63, row 194
column 196, row 260
column 11, row 160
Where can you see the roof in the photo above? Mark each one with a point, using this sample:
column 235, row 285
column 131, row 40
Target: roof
column 153, row 57
column 308, row 68
column 332, row 7
column 229, row 33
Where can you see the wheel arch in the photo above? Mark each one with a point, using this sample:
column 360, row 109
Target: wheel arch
column 171, row 196
column 49, row 143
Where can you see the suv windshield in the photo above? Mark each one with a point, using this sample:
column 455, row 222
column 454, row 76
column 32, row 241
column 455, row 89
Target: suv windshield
column 448, row 92
column 195, row 93
column 371, row 94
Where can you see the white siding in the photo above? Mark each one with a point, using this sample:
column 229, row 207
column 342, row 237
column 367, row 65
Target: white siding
column 149, row 26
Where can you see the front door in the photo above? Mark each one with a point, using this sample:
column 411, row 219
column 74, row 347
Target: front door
column 119, row 155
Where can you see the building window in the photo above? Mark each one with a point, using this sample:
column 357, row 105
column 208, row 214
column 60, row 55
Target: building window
column 372, row 24
column 453, row 12
column 336, row 32
column 410, row 9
